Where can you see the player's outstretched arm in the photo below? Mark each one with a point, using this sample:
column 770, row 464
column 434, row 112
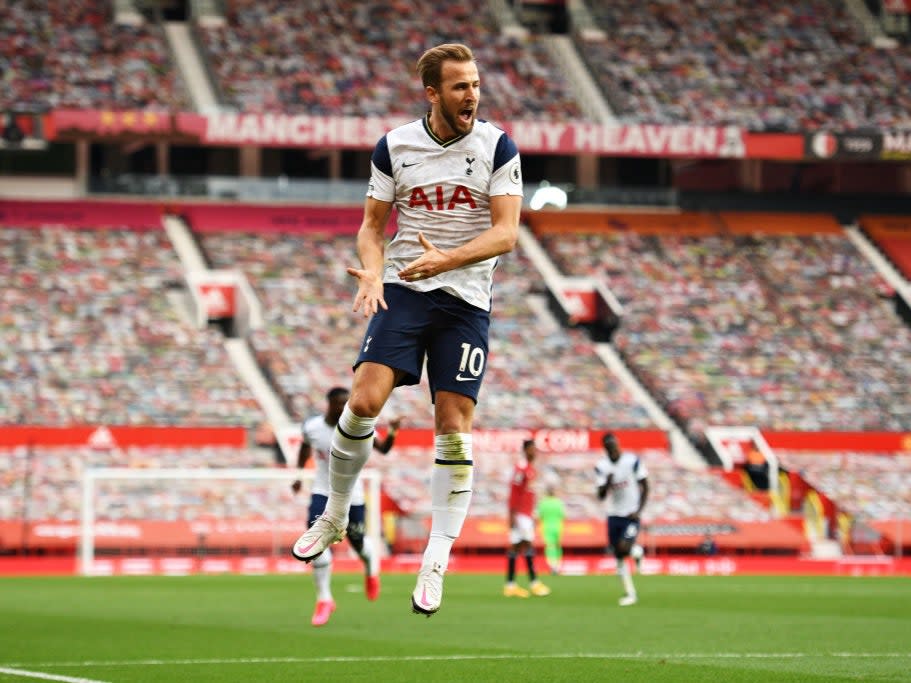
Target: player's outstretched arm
column 385, row 445
column 643, row 494
column 605, row 487
column 303, row 455
column 370, row 250
column 499, row 238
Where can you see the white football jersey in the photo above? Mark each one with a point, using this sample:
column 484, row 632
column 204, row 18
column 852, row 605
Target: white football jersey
column 443, row 189
column 318, row 434
column 623, row 497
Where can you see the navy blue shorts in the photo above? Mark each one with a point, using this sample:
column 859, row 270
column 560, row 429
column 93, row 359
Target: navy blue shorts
column 357, row 517
column 451, row 333
column 621, row 529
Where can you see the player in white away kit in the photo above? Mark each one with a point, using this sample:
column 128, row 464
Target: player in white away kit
column 316, row 437
column 456, row 183
column 625, row 478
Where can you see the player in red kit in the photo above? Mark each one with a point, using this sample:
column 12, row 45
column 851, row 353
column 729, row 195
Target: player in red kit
column 522, row 525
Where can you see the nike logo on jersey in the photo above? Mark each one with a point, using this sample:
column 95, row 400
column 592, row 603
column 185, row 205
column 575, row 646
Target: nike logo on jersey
column 460, row 378
column 413, row 163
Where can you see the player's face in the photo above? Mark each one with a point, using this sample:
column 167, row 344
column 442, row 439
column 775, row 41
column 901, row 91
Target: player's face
column 457, row 97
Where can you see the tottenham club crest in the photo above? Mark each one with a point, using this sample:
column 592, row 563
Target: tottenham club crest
column 469, row 161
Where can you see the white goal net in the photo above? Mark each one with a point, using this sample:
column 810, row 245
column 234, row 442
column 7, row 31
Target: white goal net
column 200, row 520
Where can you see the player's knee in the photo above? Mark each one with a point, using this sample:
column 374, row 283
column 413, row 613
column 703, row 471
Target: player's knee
column 454, row 413
column 367, row 401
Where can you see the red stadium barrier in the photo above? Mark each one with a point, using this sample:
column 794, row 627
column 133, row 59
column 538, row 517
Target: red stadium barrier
column 81, row 214
column 479, row 533
column 101, row 436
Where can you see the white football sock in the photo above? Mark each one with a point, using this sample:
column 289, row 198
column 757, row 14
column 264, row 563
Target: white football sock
column 322, row 575
column 352, row 442
column 450, row 493
column 367, row 557
column 625, row 577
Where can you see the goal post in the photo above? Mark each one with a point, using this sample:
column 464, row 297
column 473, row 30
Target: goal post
column 156, row 484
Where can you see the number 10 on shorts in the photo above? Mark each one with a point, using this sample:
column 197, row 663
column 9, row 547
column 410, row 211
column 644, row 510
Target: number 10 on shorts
column 472, row 360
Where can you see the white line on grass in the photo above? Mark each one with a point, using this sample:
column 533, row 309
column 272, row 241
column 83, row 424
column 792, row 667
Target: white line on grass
column 455, row 657
column 46, row 677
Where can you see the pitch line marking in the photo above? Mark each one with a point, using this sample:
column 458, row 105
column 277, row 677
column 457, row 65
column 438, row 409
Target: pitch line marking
column 451, row 657
column 46, row 677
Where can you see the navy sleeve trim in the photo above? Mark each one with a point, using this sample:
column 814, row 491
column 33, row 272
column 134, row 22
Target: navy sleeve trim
column 381, row 157
column 506, row 150
column 636, row 466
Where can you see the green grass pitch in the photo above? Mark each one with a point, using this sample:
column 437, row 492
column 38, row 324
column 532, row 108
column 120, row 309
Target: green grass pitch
column 257, row 628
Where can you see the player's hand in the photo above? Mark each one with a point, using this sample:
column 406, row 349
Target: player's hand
column 432, row 262
column 634, row 516
column 369, row 292
column 296, row 485
column 395, row 423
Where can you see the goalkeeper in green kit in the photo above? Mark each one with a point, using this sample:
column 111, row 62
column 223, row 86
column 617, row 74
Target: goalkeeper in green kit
column 551, row 514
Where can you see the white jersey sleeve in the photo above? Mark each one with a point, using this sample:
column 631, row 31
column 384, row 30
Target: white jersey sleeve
column 603, row 468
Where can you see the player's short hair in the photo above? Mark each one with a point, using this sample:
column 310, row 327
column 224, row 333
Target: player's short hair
column 527, row 443
column 609, row 439
column 335, row 392
column 430, row 65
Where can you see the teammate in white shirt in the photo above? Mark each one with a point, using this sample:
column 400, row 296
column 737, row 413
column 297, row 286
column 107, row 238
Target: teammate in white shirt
column 622, row 481
column 456, row 184
column 316, row 438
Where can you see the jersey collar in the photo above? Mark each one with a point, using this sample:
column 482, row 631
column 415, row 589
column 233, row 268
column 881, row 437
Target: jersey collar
column 434, row 137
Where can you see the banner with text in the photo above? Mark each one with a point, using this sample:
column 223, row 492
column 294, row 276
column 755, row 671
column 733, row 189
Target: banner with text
column 533, row 137
column 565, row 440
column 341, row 132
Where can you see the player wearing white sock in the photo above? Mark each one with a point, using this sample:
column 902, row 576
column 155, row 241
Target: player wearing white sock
column 316, row 439
column 456, row 184
column 625, row 478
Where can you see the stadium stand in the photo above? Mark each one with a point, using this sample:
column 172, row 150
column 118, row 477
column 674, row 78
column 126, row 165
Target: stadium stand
column 91, row 336
column 731, row 320
column 777, row 65
column 72, row 54
column 859, row 498
column 871, row 486
column 340, row 58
